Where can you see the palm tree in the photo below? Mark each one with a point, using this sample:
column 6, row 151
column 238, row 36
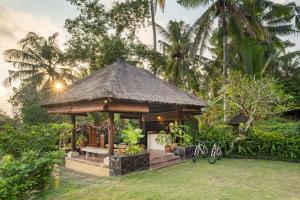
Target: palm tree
column 251, row 27
column 178, row 39
column 38, row 59
column 223, row 10
column 261, row 55
column 153, row 24
column 153, row 8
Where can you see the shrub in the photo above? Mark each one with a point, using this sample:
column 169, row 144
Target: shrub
column 19, row 178
column 268, row 139
column 270, row 145
column 40, row 138
column 280, row 125
column 132, row 137
column 28, row 155
column 220, row 134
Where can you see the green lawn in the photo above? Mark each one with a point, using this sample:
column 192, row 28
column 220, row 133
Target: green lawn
column 227, row 179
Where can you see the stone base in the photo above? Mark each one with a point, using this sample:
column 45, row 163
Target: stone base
column 186, row 152
column 72, row 154
column 94, row 169
column 120, row 165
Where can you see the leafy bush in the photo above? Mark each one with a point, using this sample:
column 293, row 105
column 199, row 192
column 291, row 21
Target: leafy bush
column 40, row 138
column 280, row 125
column 28, row 155
column 132, row 137
column 180, row 134
column 220, row 134
column 268, row 139
column 19, row 178
column 163, row 138
column 270, row 145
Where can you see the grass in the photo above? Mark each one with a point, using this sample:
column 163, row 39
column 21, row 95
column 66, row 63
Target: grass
column 227, row 179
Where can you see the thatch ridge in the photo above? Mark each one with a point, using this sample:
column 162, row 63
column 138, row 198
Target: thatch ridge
column 123, row 81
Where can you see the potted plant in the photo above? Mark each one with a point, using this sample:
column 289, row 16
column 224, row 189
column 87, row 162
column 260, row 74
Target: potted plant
column 132, row 136
column 175, row 132
column 134, row 157
column 122, row 148
column 164, row 139
column 185, row 149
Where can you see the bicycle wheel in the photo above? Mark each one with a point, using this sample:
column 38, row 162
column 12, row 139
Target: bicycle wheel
column 220, row 155
column 213, row 157
column 196, row 154
column 194, row 159
column 205, row 152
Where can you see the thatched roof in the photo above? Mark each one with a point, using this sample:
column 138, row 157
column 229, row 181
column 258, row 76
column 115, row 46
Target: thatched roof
column 122, row 81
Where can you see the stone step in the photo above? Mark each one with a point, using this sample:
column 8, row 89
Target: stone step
column 159, row 156
column 166, row 164
column 159, row 160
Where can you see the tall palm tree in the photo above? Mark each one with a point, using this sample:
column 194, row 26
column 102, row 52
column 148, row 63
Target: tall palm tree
column 177, row 41
column 261, row 55
column 153, row 8
column 223, row 11
column 38, row 59
column 153, row 24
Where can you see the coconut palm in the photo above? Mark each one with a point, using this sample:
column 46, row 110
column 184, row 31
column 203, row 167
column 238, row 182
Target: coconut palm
column 261, row 55
column 38, row 59
column 204, row 25
column 238, row 20
column 153, row 8
column 177, row 41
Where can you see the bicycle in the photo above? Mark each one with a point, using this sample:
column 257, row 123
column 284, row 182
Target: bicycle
column 215, row 154
column 200, row 149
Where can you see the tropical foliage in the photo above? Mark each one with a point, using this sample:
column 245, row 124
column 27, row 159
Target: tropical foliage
column 5, row 119
column 235, row 56
column 176, row 45
column 270, row 139
column 132, row 136
column 255, row 98
column 28, row 155
column 22, row 178
column 38, row 59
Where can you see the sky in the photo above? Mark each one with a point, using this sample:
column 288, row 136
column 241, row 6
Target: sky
column 45, row 17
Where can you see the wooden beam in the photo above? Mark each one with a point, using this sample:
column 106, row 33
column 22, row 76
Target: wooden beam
column 191, row 110
column 126, row 108
column 73, row 137
column 98, row 106
column 111, row 134
column 60, row 109
column 130, row 115
column 87, row 107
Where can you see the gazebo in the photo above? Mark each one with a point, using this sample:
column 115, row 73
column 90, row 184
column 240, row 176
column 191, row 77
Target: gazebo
column 123, row 88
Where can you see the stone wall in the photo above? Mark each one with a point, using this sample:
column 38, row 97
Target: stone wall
column 120, row 165
column 186, row 152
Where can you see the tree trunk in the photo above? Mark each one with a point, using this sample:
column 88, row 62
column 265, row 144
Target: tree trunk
column 225, row 56
column 153, row 24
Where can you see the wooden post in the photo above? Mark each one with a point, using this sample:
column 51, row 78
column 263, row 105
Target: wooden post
column 179, row 117
column 111, row 134
column 140, row 122
column 73, row 137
